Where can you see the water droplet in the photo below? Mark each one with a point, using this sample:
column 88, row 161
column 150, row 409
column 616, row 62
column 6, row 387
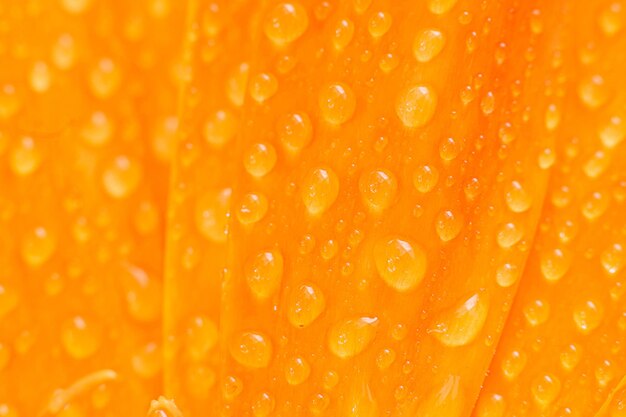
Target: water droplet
column 359, row 400
column 252, row 208
column 613, row 259
column 231, row 387
column 554, row 264
column 588, row 316
column 294, row 131
column 25, row 157
column 379, row 24
column 350, row 337
column 425, row 178
column 337, row 103
column 143, row 293
column 98, row 130
column 449, row 149
column 343, row 33
column 318, row 404
column 237, row 83
column 297, row 370
column 509, row 234
column 320, row 189
column 286, row 22
column 199, row 381
column 595, row 205
column 40, row 77
column 385, row 358
column 105, row 78
column 81, row 337
column 264, row 273
column 546, row 158
column 38, row 245
column 378, row 189
column 400, row 263
column 9, row 299
column 262, row 87
column 415, row 106
column 64, row 52
column 536, row 312
column 447, row 400
column 518, row 199
column 492, row 405
column 75, row 6
column 428, row 44
column 259, row 159
column 448, row 225
column 611, row 18
column 211, row 214
column 201, row 335
column 613, row 132
column 597, row 164
column 263, row 405
column 513, row 364
column 545, row 389
column 552, row 117
column 461, row 324
column 305, row 303
column 593, row 91
column 122, row 176
column 507, row 274
column 146, row 362
column 571, row 356
column 251, row 349
column 488, row 103
column 441, row 6
column 220, row 128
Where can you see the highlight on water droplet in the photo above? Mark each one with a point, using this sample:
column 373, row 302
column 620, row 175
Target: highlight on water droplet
column 555, row 263
column 294, row 131
column 536, row 312
column 379, row 24
column 545, row 389
column 448, row 225
column 252, row 208
column 461, row 324
column 348, row 338
column 509, row 234
column 517, row 197
column 259, row 159
column 400, row 263
column 343, row 33
column 425, row 178
column 297, row 370
column 588, row 316
column 513, row 364
column 613, row 259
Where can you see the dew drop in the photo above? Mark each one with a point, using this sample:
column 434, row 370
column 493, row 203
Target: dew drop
column 350, row 337
column 25, row 158
column 378, row 189
column 613, row 132
column 252, row 208
column 400, row 263
column 545, row 389
column 305, row 303
column 518, row 199
column 571, row 356
column 379, row 24
column 441, row 6
column 220, row 128
column 513, row 364
column 297, row 370
column 460, row 325
column 251, row 349
column 122, row 176
column 259, row 159
column 536, row 312
column 211, row 214
column 509, row 234
column 588, row 316
column 428, row 44
column 294, row 131
column 593, row 91
column 9, row 299
column 448, row 225
column 38, row 245
column 343, row 33
column 320, row 189
column 262, row 87
column 554, row 264
column 337, row 103
column 264, row 273
column 285, row 23
column 81, row 337
column 507, row 274
column 416, row 105
column 613, row 259
column 201, row 335
column 425, row 178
